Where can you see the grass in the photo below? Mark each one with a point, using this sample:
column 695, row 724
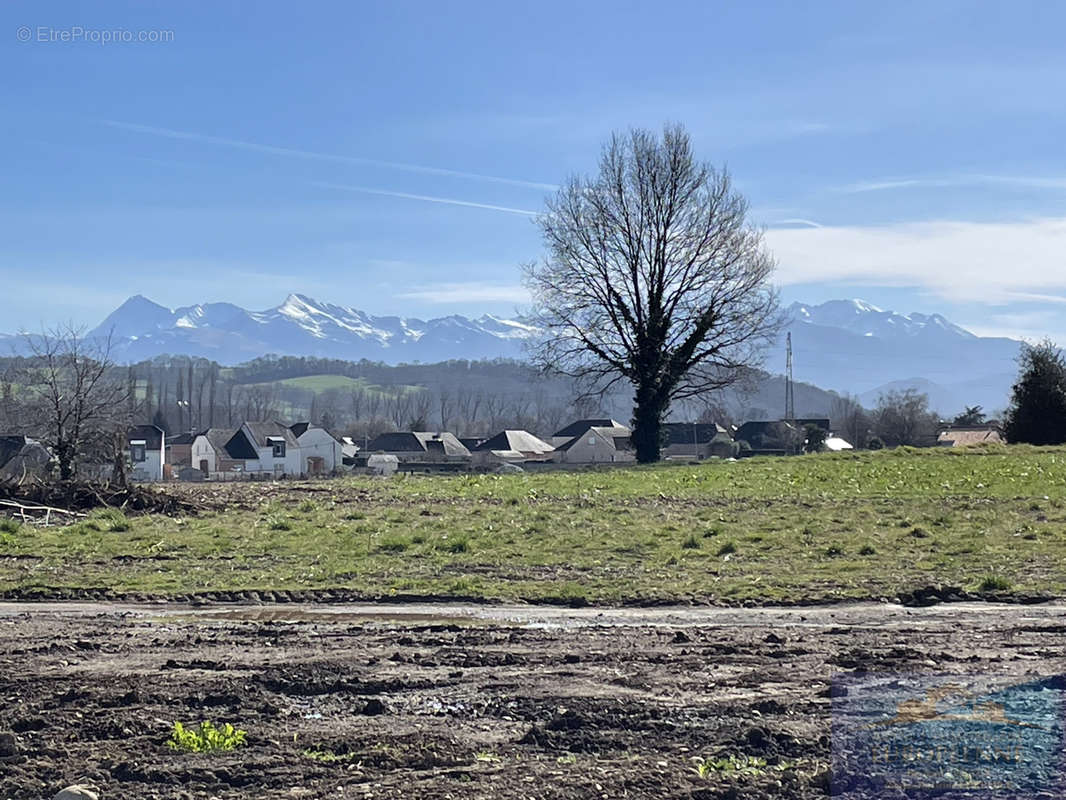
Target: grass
column 826, row 527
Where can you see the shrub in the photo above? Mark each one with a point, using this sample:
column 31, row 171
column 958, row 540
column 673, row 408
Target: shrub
column 460, row 545
column 994, row 583
column 206, row 738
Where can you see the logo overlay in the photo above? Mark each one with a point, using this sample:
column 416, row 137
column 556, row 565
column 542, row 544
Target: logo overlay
column 979, row 735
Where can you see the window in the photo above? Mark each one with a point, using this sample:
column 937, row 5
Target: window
column 138, row 452
column 592, row 440
column 277, row 444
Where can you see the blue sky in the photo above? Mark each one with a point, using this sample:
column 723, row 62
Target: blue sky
column 388, row 156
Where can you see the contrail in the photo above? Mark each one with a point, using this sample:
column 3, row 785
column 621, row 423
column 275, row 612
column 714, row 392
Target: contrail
column 308, row 154
column 428, row 198
column 797, row 221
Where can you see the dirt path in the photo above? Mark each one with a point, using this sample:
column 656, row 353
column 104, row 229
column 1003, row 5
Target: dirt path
column 464, row 701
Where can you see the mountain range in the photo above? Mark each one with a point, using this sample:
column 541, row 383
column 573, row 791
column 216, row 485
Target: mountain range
column 843, row 345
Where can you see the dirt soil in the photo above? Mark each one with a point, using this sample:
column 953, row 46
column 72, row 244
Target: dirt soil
column 464, row 702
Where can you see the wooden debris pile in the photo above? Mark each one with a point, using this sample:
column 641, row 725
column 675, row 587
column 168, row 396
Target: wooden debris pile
column 61, row 502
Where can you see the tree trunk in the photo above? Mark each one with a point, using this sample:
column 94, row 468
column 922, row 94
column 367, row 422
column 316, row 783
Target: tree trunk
column 648, row 411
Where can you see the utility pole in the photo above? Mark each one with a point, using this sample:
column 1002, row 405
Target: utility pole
column 790, row 398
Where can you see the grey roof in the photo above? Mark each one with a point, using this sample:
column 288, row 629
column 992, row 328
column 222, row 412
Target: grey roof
column 517, row 440
column 182, row 438
column 618, row 436
column 683, row 432
column 582, row 425
column 299, row 429
column 261, row 430
column 434, row 442
column 218, row 438
column 153, row 436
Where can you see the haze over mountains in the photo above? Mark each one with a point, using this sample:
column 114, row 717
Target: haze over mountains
column 844, row 345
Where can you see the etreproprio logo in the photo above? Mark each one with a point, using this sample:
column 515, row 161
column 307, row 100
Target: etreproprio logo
column 973, row 736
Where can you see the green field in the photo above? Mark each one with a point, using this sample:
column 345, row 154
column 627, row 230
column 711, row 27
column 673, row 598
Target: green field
column 803, row 529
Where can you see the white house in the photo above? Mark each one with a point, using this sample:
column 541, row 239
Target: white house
column 147, row 448
column 320, row 450
column 209, row 454
column 266, row 447
column 577, row 428
column 598, row 445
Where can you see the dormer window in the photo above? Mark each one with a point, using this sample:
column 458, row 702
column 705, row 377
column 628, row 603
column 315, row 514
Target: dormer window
column 277, row 445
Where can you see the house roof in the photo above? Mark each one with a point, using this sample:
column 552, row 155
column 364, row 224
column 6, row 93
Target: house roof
column 153, row 436
column 299, row 429
column 618, row 437
column 217, row 438
column 582, row 425
column 963, row 437
column 683, row 432
column 517, row 440
column 439, row 442
column 238, row 446
column 182, row 438
column 835, row 444
column 261, row 431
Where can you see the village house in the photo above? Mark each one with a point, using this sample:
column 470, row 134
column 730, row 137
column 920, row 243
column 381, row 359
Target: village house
column 322, row 453
column 577, row 428
column 146, row 445
column 597, row 444
column 209, row 453
column 696, row 440
column 179, row 450
column 429, row 447
column 267, row 448
column 512, row 447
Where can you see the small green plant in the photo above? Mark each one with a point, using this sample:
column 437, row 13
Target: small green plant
column 867, row 550
column 276, row 522
column 327, row 756
column 392, row 545
column 108, row 519
column 727, row 548
column 8, row 525
column 205, row 738
column 569, row 758
column 833, row 551
column 734, row 765
column 691, row 543
column 459, row 545
column 994, row 583
column 306, row 507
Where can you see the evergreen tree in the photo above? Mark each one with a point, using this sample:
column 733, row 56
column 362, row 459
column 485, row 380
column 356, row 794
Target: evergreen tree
column 1037, row 414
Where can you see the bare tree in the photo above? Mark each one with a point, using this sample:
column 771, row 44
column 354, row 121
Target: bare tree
column 903, row 418
column 654, row 277
column 76, row 395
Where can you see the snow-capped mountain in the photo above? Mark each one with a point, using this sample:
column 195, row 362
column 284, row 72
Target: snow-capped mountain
column 860, row 317
column 845, row 345
column 853, row 346
column 302, row 326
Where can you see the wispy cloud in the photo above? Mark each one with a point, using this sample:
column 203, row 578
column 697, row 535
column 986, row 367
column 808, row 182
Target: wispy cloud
column 470, row 292
column 426, row 198
column 962, row 261
column 808, row 223
column 951, row 181
column 289, row 152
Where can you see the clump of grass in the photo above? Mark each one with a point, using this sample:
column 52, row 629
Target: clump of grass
column 834, row 550
column 867, row 550
column 418, row 538
column 205, row 738
column 306, row 507
column 276, row 522
column 458, row 545
column 919, row 533
column 328, row 756
column 392, row 545
column 712, row 531
column 108, row 519
column 727, row 548
column 691, row 543
column 354, row 515
column 994, row 583
column 8, row 525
